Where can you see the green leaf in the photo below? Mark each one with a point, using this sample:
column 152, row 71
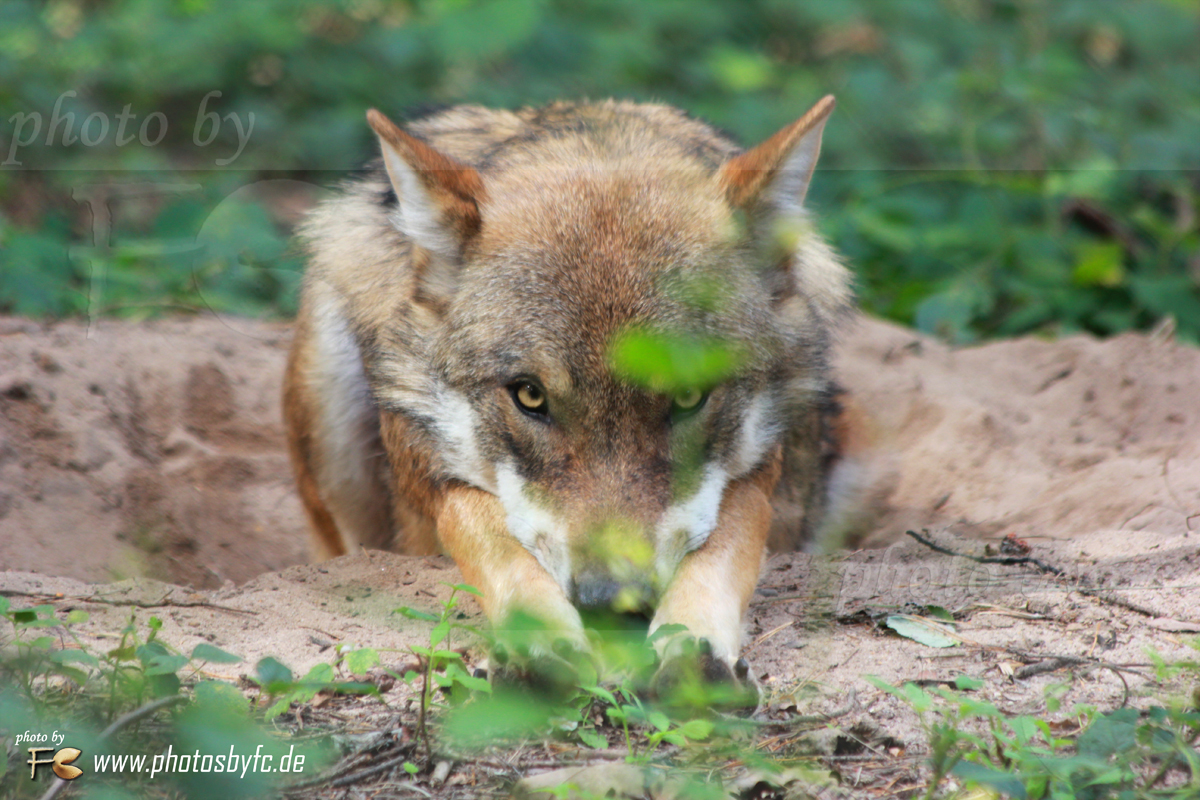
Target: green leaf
column 937, row 612
column 413, row 613
column 77, row 617
column 697, row 729
column 319, row 673
column 221, row 697
column 127, row 653
column 271, row 672
column 1109, row 734
column 468, row 588
column 164, row 684
column 967, row 684
column 166, row 665
column 658, row 720
column 361, row 661
column 213, row 654
column 665, row 630
column 592, row 738
column 77, row 675
column 602, row 693
column 668, row 362
column 74, row 656
column 458, row 674
column 1099, row 264
column 410, row 768
column 674, row 737
column 439, row 633
column 1003, row 782
column 925, row 631
column 1024, row 728
column 280, row 706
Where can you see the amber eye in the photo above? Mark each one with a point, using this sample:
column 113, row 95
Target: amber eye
column 687, row 401
column 529, row 397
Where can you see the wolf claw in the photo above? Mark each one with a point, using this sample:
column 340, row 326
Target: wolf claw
column 693, row 677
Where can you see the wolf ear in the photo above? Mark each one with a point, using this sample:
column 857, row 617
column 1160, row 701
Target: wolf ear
column 438, row 197
column 777, row 172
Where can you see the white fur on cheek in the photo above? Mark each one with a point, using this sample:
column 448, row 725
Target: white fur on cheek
column 695, row 518
column 759, row 431
column 528, row 522
column 456, row 422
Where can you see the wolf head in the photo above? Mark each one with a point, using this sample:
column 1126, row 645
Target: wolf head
column 612, row 314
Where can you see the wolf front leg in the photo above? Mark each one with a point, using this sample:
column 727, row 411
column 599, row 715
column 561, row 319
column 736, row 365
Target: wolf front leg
column 710, row 593
column 539, row 633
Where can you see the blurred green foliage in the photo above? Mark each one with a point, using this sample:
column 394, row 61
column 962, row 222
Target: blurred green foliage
column 994, row 166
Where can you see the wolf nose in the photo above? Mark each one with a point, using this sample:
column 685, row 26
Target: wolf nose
column 597, row 592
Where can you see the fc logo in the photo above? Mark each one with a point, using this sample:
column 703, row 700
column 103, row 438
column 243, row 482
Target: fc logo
column 60, row 762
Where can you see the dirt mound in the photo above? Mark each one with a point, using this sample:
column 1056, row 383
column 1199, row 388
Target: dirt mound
column 1036, row 438
column 145, row 449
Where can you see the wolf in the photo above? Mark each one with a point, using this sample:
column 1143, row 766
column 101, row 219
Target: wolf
column 583, row 349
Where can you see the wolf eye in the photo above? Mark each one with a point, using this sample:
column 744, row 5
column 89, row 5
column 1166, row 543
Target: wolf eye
column 529, row 397
column 687, row 402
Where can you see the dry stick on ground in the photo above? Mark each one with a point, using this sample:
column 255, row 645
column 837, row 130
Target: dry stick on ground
column 344, row 776
column 815, row 719
column 1104, row 597
column 121, row 722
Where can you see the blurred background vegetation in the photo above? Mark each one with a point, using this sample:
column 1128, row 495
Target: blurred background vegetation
column 994, row 167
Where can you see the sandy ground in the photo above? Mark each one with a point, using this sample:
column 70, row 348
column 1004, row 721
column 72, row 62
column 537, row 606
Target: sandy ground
column 153, row 452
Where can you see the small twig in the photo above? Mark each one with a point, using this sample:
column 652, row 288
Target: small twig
column 347, row 769
column 166, row 603
column 1006, row 560
column 1052, row 663
column 816, row 719
column 766, row 636
column 126, row 719
column 1042, row 667
column 384, row 766
column 1103, row 596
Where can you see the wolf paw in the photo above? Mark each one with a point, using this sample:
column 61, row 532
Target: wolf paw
column 694, row 677
column 545, row 669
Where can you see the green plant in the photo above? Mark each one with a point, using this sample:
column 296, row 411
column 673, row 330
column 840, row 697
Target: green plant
column 1124, row 753
column 140, row 667
column 283, row 688
column 103, row 700
column 441, row 666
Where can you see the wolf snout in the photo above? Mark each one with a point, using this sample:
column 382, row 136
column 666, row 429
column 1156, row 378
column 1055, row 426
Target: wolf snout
column 600, row 591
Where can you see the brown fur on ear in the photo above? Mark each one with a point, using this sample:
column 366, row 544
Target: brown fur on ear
column 455, row 188
column 745, row 177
